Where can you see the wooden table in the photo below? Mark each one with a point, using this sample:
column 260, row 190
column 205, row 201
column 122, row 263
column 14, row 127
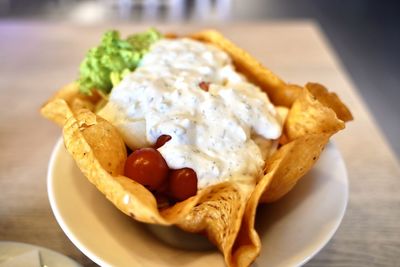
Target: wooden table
column 37, row 58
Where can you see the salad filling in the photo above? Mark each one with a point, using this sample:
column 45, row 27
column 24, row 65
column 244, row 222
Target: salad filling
column 220, row 125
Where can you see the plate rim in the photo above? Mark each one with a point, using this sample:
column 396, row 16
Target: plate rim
column 334, row 229
column 50, row 193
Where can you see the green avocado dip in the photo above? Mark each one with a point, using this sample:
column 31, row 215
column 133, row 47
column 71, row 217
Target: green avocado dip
column 106, row 64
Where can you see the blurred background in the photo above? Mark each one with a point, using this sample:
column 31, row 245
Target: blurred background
column 364, row 33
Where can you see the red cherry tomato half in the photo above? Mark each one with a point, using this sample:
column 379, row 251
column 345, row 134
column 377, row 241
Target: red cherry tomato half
column 182, row 184
column 162, row 140
column 147, row 167
column 204, row 86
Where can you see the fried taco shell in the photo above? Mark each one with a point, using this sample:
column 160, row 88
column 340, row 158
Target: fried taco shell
column 225, row 212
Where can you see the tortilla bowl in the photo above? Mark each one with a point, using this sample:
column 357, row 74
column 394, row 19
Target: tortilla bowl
column 224, row 212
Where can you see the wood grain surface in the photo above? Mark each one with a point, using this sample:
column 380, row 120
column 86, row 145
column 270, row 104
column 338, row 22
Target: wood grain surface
column 37, row 58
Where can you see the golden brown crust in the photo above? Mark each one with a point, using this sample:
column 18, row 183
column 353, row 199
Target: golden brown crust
column 65, row 101
column 331, row 100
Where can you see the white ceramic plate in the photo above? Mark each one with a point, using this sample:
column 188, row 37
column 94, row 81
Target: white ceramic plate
column 11, row 250
column 292, row 230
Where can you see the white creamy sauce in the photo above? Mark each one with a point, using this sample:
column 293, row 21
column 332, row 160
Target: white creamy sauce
column 216, row 133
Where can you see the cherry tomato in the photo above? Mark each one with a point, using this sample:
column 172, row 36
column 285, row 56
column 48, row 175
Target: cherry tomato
column 147, row 167
column 162, row 140
column 204, row 86
column 182, row 184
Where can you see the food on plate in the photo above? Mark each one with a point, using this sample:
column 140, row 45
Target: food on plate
column 192, row 131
